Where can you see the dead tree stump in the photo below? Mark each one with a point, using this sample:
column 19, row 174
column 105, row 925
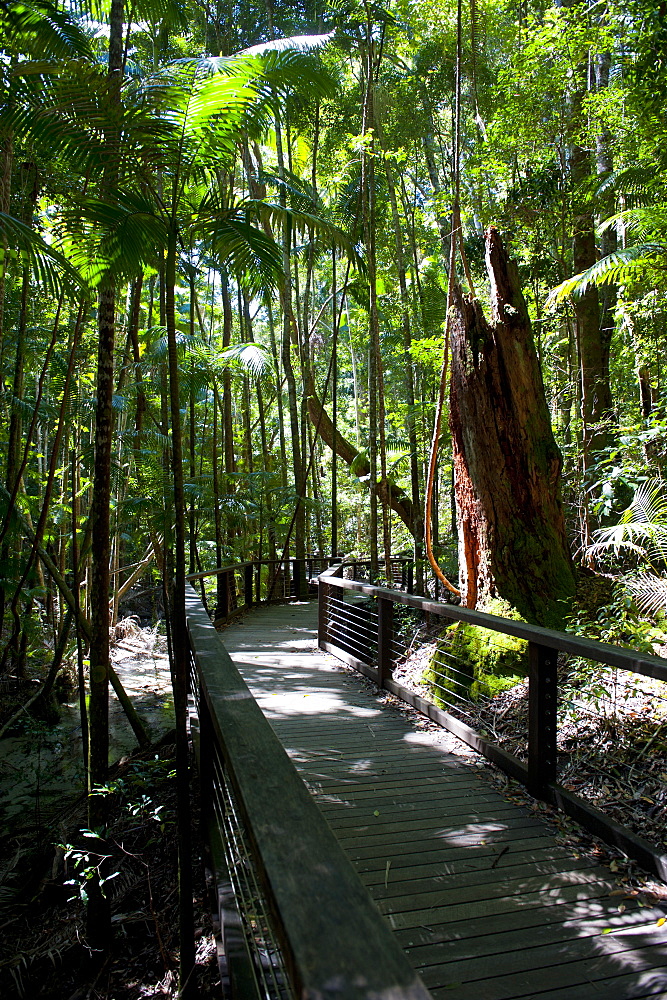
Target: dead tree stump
column 512, row 540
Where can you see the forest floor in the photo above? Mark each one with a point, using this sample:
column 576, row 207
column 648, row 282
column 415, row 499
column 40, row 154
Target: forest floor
column 42, row 915
column 43, row 950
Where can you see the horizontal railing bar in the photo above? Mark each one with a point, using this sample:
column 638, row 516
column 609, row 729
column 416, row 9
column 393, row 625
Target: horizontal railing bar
column 600, row 652
column 344, row 629
column 334, row 941
column 220, row 569
column 233, row 567
column 351, row 612
column 350, row 643
column 367, row 669
column 352, row 608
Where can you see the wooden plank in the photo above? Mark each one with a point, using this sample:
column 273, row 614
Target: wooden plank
column 433, row 781
column 481, row 934
column 502, row 887
column 432, row 887
column 628, row 986
column 392, row 771
column 355, row 814
column 358, row 782
column 467, row 834
column 418, row 853
column 482, row 942
column 418, row 819
column 383, row 808
column 492, row 910
column 441, row 870
column 566, row 974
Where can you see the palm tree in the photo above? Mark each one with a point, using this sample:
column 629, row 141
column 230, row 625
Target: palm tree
column 194, row 113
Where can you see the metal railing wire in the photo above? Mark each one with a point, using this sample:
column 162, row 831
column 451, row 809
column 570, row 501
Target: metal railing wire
column 404, row 644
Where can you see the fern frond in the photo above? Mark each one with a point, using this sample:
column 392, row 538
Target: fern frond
column 252, row 357
column 649, row 592
column 641, row 528
column 615, row 268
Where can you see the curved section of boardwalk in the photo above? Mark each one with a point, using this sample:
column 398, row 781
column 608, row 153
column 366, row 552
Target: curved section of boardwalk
column 484, row 900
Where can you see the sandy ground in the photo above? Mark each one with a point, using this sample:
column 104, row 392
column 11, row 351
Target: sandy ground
column 41, row 770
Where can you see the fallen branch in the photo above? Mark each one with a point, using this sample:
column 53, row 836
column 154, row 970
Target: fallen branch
column 141, row 566
column 388, row 492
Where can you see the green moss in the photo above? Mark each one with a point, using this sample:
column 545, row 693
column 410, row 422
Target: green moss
column 469, row 662
column 360, row 464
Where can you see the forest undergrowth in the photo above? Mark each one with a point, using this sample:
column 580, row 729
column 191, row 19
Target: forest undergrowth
column 42, row 910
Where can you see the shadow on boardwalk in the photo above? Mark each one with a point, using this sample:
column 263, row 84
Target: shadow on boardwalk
column 485, row 901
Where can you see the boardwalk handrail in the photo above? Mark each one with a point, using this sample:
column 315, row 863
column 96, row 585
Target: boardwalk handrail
column 334, row 943
column 256, row 591
column 543, row 646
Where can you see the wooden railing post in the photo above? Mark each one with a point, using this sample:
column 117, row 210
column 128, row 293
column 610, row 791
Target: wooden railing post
column 322, row 611
column 223, row 607
column 258, row 583
column 298, row 573
column 411, row 576
column 247, row 580
column 542, row 720
column 385, row 636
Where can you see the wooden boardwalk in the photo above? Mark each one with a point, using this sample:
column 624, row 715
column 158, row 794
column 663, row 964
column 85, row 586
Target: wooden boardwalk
column 485, row 902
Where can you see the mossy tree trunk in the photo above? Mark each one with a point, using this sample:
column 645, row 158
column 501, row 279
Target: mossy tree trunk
column 512, row 540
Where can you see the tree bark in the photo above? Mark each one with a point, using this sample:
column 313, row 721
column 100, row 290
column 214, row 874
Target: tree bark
column 512, row 540
column 418, row 527
column 179, row 637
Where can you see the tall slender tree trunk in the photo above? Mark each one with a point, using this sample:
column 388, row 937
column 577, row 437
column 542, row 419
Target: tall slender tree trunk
column 596, row 399
column 418, row 528
column 99, row 927
column 608, row 238
column 279, row 389
column 225, row 581
column 289, row 337
column 179, row 640
column 334, row 407
column 375, row 421
column 6, row 163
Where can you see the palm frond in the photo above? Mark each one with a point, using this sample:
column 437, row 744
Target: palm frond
column 298, row 43
column 120, row 235
column 304, row 221
column 246, row 251
column 649, row 592
column 649, row 505
column 47, row 29
column 253, row 357
column 641, row 528
column 615, row 268
column 51, row 268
